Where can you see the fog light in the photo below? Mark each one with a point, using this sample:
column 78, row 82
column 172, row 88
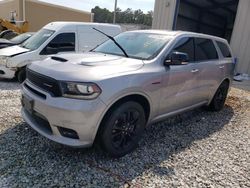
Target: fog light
column 69, row 133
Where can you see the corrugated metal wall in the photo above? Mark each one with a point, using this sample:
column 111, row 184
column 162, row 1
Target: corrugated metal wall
column 164, row 12
column 36, row 11
column 240, row 41
column 7, row 6
column 39, row 13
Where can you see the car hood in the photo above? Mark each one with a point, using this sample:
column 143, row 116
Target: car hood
column 85, row 66
column 13, row 51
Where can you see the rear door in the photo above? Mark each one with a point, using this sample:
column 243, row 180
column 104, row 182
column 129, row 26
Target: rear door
column 208, row 66
column 227, row 62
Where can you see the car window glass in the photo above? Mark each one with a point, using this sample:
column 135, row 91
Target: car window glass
column 137, row 45
column 205, row 50
column 37, row 39
column 63, row 42
column 185, row 45
column 224, row 49
column 20, row 38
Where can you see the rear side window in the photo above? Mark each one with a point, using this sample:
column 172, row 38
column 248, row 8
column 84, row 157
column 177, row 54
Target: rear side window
column 224, row 49
column 205, row 50
column 185, row 45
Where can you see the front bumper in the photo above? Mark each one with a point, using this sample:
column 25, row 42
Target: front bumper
column 8, row 73
column 49, row 114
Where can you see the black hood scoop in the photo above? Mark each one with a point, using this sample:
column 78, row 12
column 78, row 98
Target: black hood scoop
column 59, row 59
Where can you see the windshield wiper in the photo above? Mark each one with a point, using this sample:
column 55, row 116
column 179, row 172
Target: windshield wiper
column 112, row 38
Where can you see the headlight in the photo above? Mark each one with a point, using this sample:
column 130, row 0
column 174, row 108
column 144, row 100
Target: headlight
column 3, row 60
column 80, row 90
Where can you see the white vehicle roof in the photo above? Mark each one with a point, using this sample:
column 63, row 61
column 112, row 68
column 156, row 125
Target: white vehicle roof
column 61, row 25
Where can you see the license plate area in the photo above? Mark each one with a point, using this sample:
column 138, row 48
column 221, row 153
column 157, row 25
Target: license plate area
column 27, row 103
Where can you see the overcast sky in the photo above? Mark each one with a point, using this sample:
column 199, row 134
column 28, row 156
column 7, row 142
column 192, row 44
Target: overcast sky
column 87, row 5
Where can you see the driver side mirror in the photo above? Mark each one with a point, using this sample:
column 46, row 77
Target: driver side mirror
column 177, row 58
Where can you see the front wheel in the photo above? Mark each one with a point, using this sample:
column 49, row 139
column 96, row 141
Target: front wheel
column 219, row 98
column 122, row 129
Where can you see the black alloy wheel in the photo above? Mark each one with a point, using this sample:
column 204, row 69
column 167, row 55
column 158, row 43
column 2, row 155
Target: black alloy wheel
column 219, row 98
column 123, row 129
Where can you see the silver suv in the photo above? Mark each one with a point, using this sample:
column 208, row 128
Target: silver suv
column 112, row 93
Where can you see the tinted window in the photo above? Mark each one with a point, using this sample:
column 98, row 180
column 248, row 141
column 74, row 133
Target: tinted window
column 64, row 42
column 205, row 50
column 185, row 45
column 224, row 49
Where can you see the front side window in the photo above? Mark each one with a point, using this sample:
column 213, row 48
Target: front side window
column 137, row 45
column 185, row 45
column 37, row 39
column 205, row 50
column 64, row 42
column 224, row 49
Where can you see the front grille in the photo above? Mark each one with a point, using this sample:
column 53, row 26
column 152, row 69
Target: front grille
column 45, row 83
column 34, row 91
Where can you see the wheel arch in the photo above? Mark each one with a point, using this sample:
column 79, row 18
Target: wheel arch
column 142, row 99
column 228, row 80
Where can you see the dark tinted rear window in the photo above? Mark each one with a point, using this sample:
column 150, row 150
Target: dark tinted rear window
column 205, row 50
column 224, row 49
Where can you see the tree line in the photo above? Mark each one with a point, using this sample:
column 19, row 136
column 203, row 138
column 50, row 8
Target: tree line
column 103, row 15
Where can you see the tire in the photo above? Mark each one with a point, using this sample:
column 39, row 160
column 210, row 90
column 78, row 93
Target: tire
column 21, row 75
column 219, row 98
column 122, row 129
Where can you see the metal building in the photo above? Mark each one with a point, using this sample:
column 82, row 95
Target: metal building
column 229, row 19
column 39, row 13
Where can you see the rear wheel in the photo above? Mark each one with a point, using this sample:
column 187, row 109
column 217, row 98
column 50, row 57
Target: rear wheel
column 219, row 98
column 122, row 129
column 21, row 75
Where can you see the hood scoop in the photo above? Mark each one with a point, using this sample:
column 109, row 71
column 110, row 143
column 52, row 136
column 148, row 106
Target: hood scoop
column 59, row 59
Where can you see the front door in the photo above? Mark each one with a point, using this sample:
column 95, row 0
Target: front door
column 180, row 81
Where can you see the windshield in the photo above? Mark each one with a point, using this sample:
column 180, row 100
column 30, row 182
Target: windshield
column 137, row 45
column 20, row 38
column 37, row 39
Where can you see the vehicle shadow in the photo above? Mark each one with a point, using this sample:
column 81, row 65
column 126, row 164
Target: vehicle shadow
column 12, row 84
column 26, row 154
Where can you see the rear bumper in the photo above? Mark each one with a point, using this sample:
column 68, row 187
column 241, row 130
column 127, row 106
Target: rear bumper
column 8, row 73
column 50, row 114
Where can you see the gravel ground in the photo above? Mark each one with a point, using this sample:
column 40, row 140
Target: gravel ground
column 198, row 149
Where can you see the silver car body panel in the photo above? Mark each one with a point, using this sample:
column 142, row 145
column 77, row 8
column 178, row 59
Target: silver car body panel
column 168, row 89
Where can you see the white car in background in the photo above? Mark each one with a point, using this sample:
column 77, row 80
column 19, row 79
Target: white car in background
column 54, row 38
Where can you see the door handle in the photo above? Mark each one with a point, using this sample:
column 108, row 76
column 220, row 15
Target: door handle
column 195, row 70
column 221, row 67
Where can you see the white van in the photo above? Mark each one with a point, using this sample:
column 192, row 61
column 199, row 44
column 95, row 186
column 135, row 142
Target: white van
column 54, row 38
